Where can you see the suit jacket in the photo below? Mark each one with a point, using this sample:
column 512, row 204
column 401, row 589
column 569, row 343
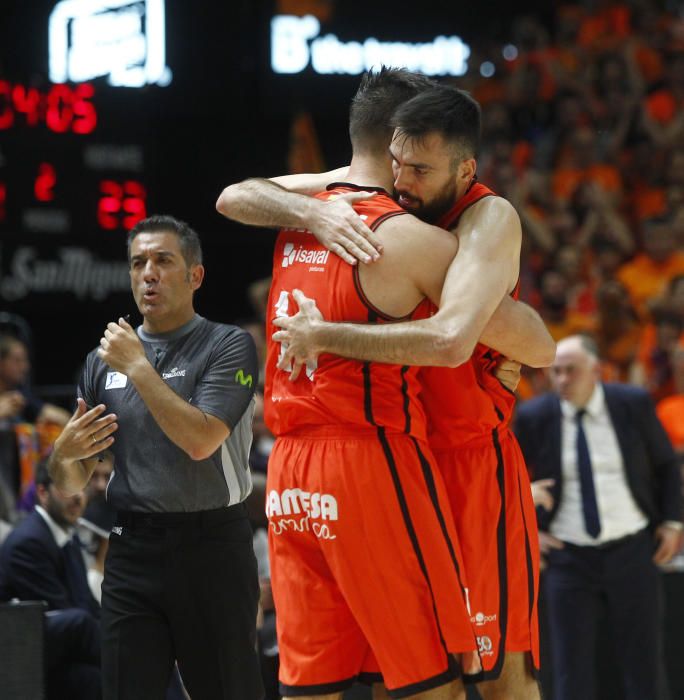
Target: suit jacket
column 33, row 567
column 651, row 467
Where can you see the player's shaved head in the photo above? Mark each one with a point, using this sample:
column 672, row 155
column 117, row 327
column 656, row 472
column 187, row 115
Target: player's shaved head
column 378, row 96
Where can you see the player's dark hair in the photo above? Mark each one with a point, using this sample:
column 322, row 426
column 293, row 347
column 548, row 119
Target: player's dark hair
column 374, row 103
column 190, row 245
column 445, row 110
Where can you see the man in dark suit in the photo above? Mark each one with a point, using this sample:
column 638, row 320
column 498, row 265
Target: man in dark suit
column 41, row 560
column 616, row 515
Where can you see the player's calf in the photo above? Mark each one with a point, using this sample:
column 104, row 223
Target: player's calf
column 450, row 691
column 516, row 681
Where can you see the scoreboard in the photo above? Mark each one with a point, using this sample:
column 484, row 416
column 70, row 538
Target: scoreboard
column 56, row 176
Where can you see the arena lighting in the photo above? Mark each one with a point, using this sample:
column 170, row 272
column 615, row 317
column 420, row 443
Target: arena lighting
column 295, row 43
column 487, row 69
column 510, row 52
column 121, row 39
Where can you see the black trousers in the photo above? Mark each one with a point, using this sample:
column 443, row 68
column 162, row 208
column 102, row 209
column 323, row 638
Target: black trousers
column 581, row 583
column 181, row 587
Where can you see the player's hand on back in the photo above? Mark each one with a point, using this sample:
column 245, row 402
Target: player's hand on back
column 508, row 373
column 297, row 335
column 342, row 231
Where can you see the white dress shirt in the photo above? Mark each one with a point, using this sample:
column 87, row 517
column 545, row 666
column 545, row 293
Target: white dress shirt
column 61, row 536
column 618, row 511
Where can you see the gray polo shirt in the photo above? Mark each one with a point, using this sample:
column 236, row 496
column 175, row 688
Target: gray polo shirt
column 214, row 367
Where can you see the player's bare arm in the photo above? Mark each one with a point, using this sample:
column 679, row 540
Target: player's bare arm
column 519, row 329
column 283, row 203
column 311, row 183
column 476, row 288
column 197, row 433
column 413, row 268
column 88, row 433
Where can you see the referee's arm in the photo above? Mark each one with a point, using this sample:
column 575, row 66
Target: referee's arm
column 195, row 432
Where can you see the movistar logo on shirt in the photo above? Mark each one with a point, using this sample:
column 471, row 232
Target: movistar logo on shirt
column 242, row 379
column 300, row 254
column 175, row 372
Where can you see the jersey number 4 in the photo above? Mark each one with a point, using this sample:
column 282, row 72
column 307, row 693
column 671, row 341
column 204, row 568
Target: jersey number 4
column 282, row 309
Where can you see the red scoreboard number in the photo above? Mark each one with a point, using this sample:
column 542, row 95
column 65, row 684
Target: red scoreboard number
column 121, row 204
column 44, row 184
column 62, row 108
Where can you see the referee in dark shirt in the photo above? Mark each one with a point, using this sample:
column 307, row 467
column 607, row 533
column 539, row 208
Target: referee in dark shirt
column 173, row 402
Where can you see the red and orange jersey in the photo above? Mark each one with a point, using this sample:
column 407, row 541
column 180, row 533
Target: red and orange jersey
column 337, row 392
column 464, row 404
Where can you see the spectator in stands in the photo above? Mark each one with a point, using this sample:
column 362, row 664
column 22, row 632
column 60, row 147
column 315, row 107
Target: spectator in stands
column 7, row 509
column 571, row 112
column 606, row 258
column 675, row 296
column 17, row 403
column 617, row 331
column 554, row 308
column 648, row 274
column 598, row 215
column 671, row 409
column 653, row 367
column 570, row 261
column 579, row 163
column 41, row 560
column 615, row 101
column 663, row 113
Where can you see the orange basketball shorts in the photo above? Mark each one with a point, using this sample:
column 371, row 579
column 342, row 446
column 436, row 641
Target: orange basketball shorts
column 365, row 564
column 491, row 500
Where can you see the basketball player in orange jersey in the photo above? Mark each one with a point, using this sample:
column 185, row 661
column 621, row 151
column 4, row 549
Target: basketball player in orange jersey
column 468, row 409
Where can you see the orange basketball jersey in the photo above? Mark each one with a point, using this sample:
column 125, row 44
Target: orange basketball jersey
column 337, row 391
column 465, row 403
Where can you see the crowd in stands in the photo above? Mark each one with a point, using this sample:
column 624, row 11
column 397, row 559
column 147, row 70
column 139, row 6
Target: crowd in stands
column 583, row 131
